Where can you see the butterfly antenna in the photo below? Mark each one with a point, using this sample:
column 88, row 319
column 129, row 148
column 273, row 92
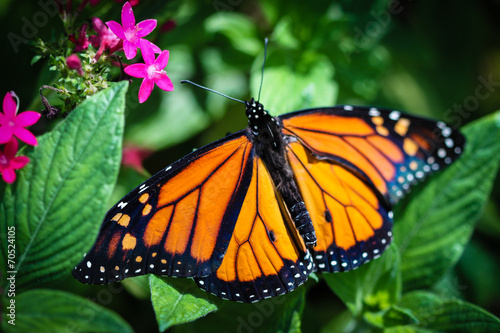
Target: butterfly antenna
column 211, row 90
column 266, row 40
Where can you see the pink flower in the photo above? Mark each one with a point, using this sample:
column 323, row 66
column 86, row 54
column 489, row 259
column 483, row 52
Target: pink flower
column 105, row 38
column 9, row 162
column 133, row 156
column 167, row 26
column 13, row 125
column 152, row 71
column 82, row 43
column 131, row 33
column 74, row 62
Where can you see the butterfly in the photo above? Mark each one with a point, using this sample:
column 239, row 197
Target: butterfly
column 251, row 215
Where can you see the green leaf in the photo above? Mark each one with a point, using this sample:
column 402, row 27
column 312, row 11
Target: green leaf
column 59, row 199
column 138, row 286
column 373, row 286
column 173, row 307
column 436, row 314
column 43, row 310
column 392, row 316
column 277, row 314
column 435, row 223
column 306, row 82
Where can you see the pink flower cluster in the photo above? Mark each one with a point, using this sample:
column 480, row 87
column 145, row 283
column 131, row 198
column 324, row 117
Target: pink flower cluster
column 152, row 71
column 129, row 37
column 12, row 126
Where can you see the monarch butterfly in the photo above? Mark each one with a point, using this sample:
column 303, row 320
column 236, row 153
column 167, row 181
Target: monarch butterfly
column 251, row 215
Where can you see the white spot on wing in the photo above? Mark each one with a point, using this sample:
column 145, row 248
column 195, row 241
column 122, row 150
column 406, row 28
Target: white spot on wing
column 394, row 115
column 122, row 204
column 348, row 107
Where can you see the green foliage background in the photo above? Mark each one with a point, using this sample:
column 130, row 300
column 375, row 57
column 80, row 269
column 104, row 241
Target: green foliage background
column 439, row 59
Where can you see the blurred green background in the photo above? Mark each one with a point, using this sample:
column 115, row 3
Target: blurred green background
column 439, row 59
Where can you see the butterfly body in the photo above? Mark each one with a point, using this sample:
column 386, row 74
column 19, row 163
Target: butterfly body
column 270, row 146
column 251, row 215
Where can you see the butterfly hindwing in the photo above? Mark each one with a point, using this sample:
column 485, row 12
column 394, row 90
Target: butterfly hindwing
column 266, row 256
column 389, row 149
column 179, row 222
column 352, row 225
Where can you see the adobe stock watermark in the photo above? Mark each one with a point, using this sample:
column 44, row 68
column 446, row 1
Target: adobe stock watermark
column 373, row 30
column 88, row 313
column 459, row 112
column 252, row 321
column 30, row 26
column 456, row 115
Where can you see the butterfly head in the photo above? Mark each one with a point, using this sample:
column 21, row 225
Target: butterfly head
column 258, row 118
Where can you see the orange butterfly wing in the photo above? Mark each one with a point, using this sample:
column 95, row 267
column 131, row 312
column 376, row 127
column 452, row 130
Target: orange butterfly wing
column 351, row 223
column 352, row 164
column 179, row 222
column 266, row 256
column 385, row 147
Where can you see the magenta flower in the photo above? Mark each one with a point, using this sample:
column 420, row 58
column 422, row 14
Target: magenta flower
column 152, row 71
column 74, row 62
column 105, row 38
column 134, row 156
column 131, row 33
column 9, row 162
column 13, row 125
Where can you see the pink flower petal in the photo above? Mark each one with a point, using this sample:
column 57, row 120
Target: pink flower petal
column 9, row 106
column 27, row 118
column 163, row 82
column 116, row 28
column 19, row 162
column 10, row 149
column 147, row 52
column 147, row 86
column 137, row 70
column 145, row 27
column 6, row 134
column 128, row 18
column 162, row 60
column 129, row 49
column 99, row 26
column 24, row 135
column 8, row 175
column 156, row 49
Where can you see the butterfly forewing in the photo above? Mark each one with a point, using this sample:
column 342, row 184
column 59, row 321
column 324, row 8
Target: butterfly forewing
column 387, row 148
column 179, row 222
